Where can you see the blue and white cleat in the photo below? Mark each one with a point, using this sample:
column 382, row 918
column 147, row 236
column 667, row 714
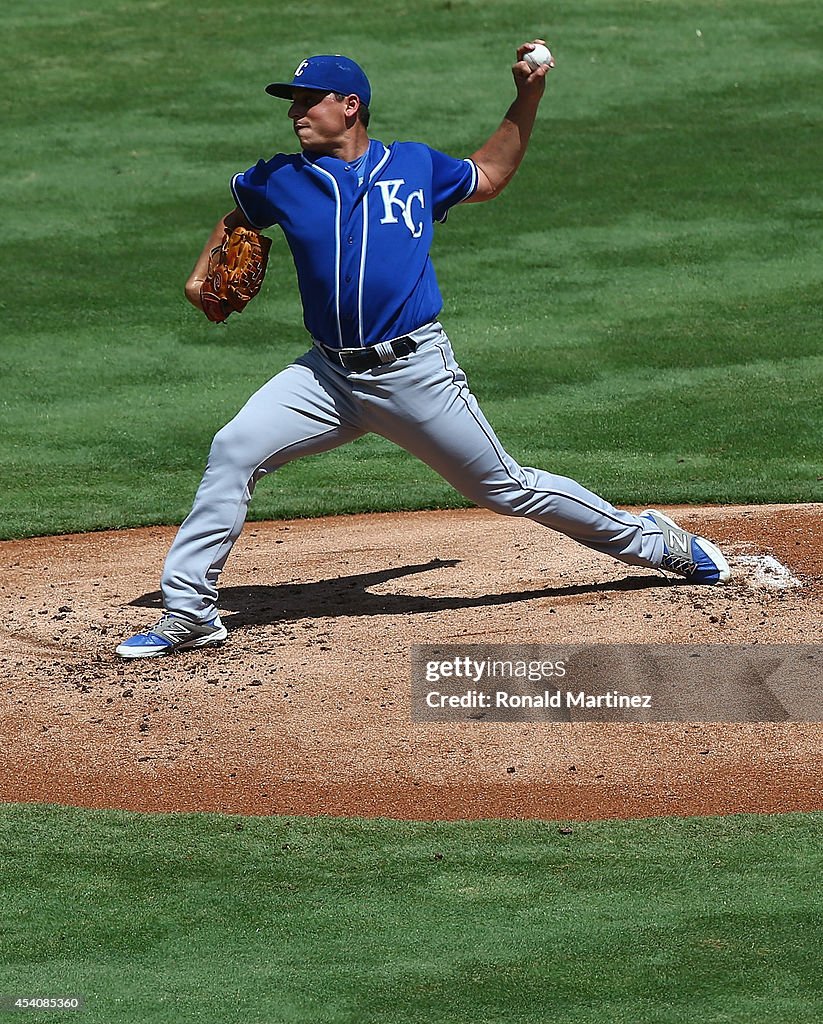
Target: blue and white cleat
column 173, row 633
column 695, row 558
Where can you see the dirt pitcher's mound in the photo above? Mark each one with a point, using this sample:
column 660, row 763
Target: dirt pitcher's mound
column 306, row 708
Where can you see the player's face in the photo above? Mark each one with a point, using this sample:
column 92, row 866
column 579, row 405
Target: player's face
column 319, row 119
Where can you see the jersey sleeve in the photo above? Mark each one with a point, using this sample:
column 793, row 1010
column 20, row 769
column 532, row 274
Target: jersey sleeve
column 453, row 181
column 251, row 193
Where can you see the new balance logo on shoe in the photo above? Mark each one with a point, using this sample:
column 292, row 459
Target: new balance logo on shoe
column 173, row 633
column 694, row 558
column 677, row 542
column 177, row 630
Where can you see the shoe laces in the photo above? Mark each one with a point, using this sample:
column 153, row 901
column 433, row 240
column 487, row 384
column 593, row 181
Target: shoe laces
column 679, row 564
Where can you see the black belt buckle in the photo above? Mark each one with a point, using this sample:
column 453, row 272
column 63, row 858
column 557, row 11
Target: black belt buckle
column 360, row 359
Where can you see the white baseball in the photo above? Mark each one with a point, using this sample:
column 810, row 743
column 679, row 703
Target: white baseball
column 538, row 56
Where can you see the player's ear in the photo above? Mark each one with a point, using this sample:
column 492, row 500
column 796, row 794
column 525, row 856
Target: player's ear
column 352, row 106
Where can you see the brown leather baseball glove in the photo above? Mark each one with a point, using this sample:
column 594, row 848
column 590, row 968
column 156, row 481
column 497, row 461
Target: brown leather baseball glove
column 235, row 274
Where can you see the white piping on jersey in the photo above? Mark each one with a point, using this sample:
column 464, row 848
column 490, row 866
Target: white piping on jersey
column 473, row 184
column 469, row 192
column 338, row 267
column 379, row 166
column 375, row 171
column 365, row 213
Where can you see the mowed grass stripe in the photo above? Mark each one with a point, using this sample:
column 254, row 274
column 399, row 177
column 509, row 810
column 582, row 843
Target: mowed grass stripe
column 666, row 220
column 202, row 917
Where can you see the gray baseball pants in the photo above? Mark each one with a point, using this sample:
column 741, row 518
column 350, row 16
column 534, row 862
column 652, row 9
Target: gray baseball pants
column 422, row 403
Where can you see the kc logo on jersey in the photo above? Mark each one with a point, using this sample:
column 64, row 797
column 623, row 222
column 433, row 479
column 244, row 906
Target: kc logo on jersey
column 392, row 204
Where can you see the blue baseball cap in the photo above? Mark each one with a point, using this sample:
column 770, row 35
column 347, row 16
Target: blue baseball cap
column 329, row 73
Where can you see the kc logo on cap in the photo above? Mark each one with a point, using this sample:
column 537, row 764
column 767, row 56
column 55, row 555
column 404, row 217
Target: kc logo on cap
column 327, row 72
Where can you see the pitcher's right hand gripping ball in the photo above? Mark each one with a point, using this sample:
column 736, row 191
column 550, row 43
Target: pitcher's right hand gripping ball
column 235, row 274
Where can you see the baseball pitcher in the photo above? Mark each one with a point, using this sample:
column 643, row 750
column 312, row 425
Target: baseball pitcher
column 359, row 216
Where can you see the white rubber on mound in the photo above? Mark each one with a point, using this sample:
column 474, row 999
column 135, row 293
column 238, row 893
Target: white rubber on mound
column 764, row 571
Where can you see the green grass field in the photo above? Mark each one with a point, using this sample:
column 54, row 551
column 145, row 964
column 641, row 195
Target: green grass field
column 640, row 310
column 170, row 918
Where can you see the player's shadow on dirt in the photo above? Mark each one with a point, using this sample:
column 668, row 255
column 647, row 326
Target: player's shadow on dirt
column 350, row 595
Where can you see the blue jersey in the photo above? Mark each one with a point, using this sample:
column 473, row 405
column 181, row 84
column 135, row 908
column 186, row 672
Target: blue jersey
column 360, row 247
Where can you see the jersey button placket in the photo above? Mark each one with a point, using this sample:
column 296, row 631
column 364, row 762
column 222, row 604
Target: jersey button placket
column 350, row 241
